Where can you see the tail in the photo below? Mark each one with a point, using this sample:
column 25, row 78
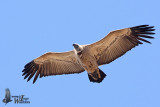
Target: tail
column 94, row 77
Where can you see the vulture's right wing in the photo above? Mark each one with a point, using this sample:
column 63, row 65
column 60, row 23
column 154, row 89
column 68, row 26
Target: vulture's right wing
column 52, row 64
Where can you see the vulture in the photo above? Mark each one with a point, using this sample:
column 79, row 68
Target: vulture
column 89, row 57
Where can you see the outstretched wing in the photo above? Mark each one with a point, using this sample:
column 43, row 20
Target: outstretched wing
column 7, row 94
column 52, row 64
column 118, row 42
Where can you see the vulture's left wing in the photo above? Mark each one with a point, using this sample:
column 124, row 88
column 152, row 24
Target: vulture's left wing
column 52, row 64
column 118, row 42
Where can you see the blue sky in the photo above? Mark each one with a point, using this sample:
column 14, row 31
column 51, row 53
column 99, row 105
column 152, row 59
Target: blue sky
column 30, row 28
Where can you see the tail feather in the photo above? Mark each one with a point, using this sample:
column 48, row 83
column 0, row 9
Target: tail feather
column 93, row 77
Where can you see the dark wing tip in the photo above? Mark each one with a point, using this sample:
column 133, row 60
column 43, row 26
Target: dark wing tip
column 29, row 70
column 140, row 26
column 34, row 81
column 142, row 31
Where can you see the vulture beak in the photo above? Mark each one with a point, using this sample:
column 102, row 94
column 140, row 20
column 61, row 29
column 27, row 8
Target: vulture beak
column 74, row 45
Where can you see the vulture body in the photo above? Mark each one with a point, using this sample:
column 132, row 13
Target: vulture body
column 89, row 57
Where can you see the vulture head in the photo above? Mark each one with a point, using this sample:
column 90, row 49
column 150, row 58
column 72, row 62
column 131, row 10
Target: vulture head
column 78, row 48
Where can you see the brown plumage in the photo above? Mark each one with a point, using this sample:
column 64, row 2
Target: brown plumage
column 52, row 64
column 89, row 57
column 118, row 42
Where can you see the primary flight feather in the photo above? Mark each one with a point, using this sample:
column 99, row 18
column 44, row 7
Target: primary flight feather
column 89, row 57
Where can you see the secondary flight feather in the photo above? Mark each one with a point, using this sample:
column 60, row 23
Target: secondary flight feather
column 89, row 57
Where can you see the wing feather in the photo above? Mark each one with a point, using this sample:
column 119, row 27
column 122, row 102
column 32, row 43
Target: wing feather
column 42, row 71
column 37, row 74
column 118, row 42
column 52, row 64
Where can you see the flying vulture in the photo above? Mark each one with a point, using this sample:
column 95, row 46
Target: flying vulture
column 89, row 57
